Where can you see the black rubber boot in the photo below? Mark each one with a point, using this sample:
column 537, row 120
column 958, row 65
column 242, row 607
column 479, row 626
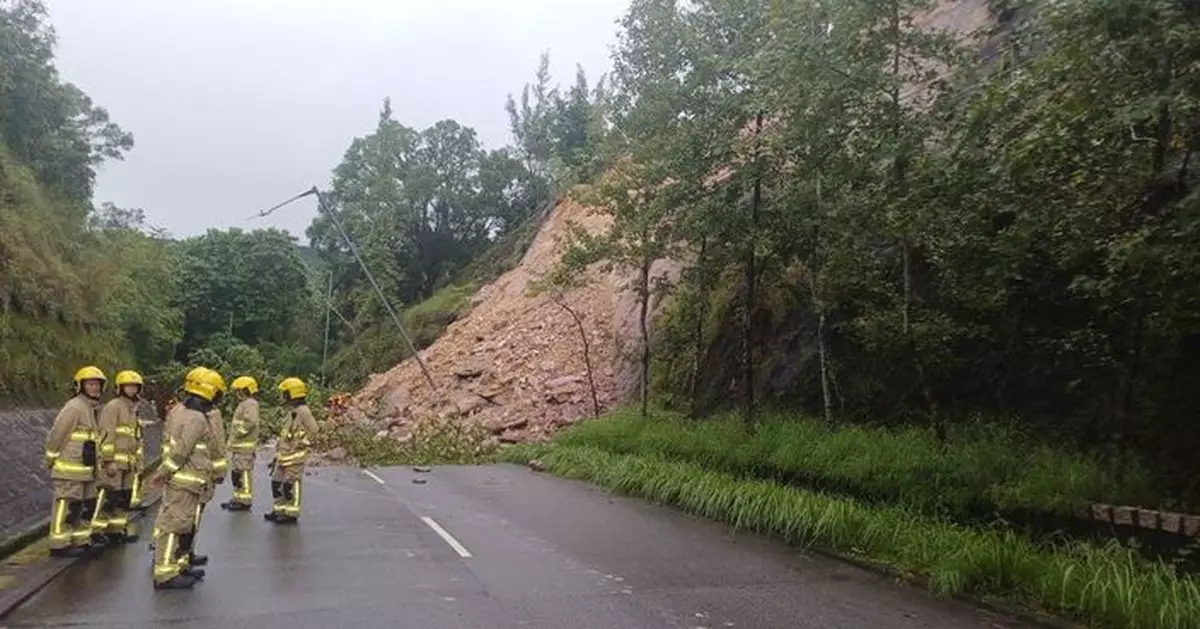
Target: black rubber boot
column 235, row 506
column 178, row 582
column 197, row 560
column 195, row 573
column 70, row 551
column 185, row 550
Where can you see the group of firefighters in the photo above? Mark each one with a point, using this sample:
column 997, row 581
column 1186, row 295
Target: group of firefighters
column 96, row 457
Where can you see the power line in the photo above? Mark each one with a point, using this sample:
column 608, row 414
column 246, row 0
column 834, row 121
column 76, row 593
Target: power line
column 330, row 307
column 322, row 206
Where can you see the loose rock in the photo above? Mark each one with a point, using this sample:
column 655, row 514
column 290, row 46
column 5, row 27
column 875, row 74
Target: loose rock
column 503, row 358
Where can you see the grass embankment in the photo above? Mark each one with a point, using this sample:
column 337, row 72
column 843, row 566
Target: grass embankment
column 983, row 467
column 688, row 465
column 52, row 292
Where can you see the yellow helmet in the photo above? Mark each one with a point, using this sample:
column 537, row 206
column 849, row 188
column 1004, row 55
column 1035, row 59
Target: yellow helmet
column 200, row 389
column 195, row 374
column 89, row 373
column 213, row 379
column 129, row 377
column 250, row 385
column 293, row 388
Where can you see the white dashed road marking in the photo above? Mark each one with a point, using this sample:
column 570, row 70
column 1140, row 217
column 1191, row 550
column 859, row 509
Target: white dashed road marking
column 373, row 476
column 437, row 528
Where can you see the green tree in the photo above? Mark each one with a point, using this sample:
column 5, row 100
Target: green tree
column 559, row 136
column 143, row 271
column 52, row 126
column 249, row 285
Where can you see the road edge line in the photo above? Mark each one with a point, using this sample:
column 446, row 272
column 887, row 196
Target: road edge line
column 447, row 537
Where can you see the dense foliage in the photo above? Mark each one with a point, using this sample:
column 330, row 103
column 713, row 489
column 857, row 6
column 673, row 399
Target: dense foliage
column 886, row 219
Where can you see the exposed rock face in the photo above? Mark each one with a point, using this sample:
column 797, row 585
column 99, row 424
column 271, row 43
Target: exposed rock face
column 515, row 363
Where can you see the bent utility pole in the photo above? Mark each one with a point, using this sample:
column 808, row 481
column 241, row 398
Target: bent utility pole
column 323, row 207
column 325, row 344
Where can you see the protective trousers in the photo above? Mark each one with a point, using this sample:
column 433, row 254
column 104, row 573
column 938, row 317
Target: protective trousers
column 197, row 516
column 286, row 489
column 113, row 503
column 189, row 553
column 71, row 514
column 242, row 478
column 174, row 530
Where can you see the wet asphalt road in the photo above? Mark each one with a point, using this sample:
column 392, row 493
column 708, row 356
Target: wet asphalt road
column 533, row 552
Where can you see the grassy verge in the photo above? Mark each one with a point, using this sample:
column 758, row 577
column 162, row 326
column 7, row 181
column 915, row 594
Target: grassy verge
column 1110, row 586
column 983, row 467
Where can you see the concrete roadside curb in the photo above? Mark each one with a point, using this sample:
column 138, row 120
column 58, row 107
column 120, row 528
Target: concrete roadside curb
column 28, row 579
column 31, row 578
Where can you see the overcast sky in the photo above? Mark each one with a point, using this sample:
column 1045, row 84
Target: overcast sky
column 238, row 104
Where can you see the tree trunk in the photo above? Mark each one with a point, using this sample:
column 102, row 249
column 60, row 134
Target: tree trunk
column 906, row 246
column 819, row 305
column 701, row 315
column 587, row 354
column 752, row 279
column 1132, row 363
column 644, row 294
column 822, row 350
column 906, row 298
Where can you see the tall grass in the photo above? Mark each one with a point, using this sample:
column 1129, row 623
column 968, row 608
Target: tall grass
column 980, row 467
column 1107, row 586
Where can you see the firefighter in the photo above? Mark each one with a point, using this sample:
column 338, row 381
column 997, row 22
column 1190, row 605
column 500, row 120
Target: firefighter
column 71, row 456
column 291, row 453
column 186, row 471
column 243, row 441
column 121, row 454
column 192, row 376
column 214, row 444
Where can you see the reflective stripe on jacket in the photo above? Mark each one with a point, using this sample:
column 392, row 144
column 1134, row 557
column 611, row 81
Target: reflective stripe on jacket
column 120, row 433
column 296, row 437
column 215, row 441
column 243, row 430
column 74, row 425
column 187, row 466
